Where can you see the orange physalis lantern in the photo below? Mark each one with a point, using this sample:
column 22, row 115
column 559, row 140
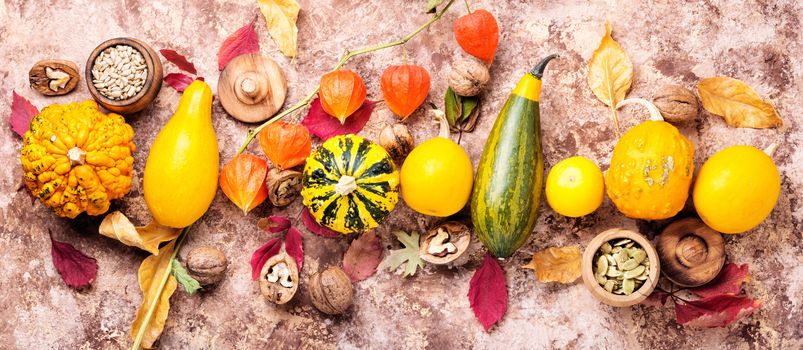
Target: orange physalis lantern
column 478, row 34
column 342, row 92
column 404, row 88
column 285, row 144
column 242, row 179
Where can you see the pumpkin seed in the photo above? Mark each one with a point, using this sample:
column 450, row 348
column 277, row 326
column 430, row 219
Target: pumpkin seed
column 623, row 242
column 628, row 285
column 630, row 264
column 616, row 249
column 601, row 279
column 621, row 266
column 621, row 257
column 611, row 260
column 609, row 286
column 606, row 248
column 602, row 265
column 635, row 272
column 613, row 272
column 639, row 255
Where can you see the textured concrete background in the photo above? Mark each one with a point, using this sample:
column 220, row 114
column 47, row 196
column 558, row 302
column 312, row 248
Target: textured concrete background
column 756, row 41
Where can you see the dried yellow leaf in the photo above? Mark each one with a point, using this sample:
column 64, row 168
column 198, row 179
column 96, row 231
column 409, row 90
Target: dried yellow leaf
column 117, row 226
column 150, row 274
column 610, row 73
column 281, row 17
column 556, row 264
column 737, row 103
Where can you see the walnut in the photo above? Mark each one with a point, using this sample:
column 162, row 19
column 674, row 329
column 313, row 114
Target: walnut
column 53, row 77
column 396, row 139
column 284, row 186
column 278, row 280
column 468, row 77
column 207, row 265
column 445, row 243
column 677, row 104
column 330, row 291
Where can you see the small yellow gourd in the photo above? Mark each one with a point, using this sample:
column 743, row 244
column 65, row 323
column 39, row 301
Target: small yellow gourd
column 651, row 168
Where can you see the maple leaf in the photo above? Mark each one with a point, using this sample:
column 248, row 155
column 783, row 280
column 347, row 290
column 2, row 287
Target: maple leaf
column 408, row 254
column 179, row 60
column 22, row 111
column 362, row 257
column 316, row 228
column 274, row 224
column 294, row 246
column 487, row 292
column 178, row 81
column 262, row 254
column 76, row 268
column 715, row 311
column 325, row 126
column 242, row 41
column 728, row 281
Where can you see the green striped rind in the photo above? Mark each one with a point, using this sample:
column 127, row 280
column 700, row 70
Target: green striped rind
column 507, row 190
column 377, row 184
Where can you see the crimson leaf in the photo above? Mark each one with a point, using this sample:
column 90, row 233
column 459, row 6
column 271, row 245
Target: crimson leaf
column 314, row 227
column 728, row 281
column 76, row 269
column 262, row 254
column 243, row 41
column 22, row 112
column 715, row 311
column 180, row 61
column 325, row 126
column 294, row 246
column 274, row 224
column 657, row 298
column 488, row 292
column 362, row 257
column 178, row 81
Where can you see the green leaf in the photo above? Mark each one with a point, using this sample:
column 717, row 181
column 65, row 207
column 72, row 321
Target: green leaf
column 432, row 5
column 453, row 107
column 469, row 105
column 184, row 279
column 408, row 254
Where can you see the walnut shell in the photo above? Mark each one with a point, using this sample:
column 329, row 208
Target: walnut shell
column 458, row 235
column 284, row 186
column 44, row 77
column 331, row 291
column 677, row 104
column 207, row 265
column 275, row 292
column 468, row 77
column 397, row 140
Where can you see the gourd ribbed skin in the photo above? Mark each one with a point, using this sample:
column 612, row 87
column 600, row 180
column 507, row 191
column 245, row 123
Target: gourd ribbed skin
column 651, row 171
column 377, row 184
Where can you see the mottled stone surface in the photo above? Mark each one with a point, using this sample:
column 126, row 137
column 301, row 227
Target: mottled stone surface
column 668, row 42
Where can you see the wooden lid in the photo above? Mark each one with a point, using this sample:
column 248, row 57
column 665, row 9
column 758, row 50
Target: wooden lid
column 252, row 88
column 691, row 253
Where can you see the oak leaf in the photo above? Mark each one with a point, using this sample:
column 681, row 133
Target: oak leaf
column 22, row 112
column 362, row 257
column 76, row 268
column 280, row 18
column 715, row 311
column 117, row 226
column 610, row 73
column 407, row 255
column 487, row 292
column 242, row 41
column 737, row 103
column 325, row 126
column 556, row 264
column 151, row 272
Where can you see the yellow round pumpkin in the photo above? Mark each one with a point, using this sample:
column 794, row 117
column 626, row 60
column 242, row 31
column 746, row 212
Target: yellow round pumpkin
column 651, row 170
column 76, row 159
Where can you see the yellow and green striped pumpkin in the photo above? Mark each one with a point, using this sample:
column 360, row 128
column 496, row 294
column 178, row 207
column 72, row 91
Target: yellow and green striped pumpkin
column 350, row 184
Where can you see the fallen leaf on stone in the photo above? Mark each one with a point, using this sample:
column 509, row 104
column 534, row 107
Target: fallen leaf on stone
column 362, row 257
column 407, row 255
column 179, row 60
column 183, row 278
column 76, row 268
column 556, row 264
column 316, row 228
column 280, row 18
column 325, row 126
column 610, row 73
column 262, row 254
column 178, row 81
column 715, row 311
column 737, row 103
column 242, row 41
column 117, row 226
column 151, row 272
column 22, row 112
column 294, row 246
column 274, row 224
column 487, row 292
column 728, row 281
column 656, row 298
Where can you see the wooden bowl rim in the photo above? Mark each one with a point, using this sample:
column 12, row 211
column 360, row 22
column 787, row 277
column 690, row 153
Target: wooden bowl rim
column 598, row 291
column 150, row 63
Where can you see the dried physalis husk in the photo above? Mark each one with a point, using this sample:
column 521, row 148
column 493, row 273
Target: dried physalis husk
column 397, row 140
column 331, row 291
column 283, row 186
column 278, row 280
column 445, row 243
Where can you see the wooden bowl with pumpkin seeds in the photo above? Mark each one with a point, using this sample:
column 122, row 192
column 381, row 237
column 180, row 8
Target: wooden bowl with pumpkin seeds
column 620, row 267
column 124, row 75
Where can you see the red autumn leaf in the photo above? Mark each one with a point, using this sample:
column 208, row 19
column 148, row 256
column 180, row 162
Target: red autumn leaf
column 178, row 81
column 316, row 228
column 180, row 61
column 325, row 126
column 488, row 292
column 728, row 281
column 362, row 257
column 262, row 254
column 294, row 246
column 715, row 311
column 243, row 41
column 76, row 269
column 274, row 224
column 657, row 298
column 22, row 112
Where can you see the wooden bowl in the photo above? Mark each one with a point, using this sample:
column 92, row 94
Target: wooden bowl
column 614, row 299
column 153, row 81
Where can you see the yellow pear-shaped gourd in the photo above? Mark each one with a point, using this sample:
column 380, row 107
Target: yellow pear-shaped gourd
column 182, row 168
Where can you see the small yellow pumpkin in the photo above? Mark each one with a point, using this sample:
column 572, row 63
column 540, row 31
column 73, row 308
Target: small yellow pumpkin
column 651, row 169
column 76, row 159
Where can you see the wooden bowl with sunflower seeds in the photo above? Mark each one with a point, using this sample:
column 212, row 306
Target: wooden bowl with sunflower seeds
column 620, row 267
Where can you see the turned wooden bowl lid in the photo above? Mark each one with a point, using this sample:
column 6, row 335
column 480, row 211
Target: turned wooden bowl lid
column 691, row 253
column 153, row 80
column 252, row 88
column 598, row 291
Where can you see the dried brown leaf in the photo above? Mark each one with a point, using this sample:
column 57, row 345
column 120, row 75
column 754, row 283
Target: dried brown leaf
column 737, row 103
column 117, row 226
column 610, row 73
column 556, row 264
column 280, row 18
column 151, row 272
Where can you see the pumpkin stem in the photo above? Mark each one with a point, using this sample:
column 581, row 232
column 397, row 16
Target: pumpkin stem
column 440, row 118
column 345, row 185
column 538, row 70
column 770, row 150
column 655, row 114
column 77, row 156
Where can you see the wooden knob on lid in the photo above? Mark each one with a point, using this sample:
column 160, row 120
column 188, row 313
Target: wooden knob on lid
column 252, row 88
column 691, row 253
